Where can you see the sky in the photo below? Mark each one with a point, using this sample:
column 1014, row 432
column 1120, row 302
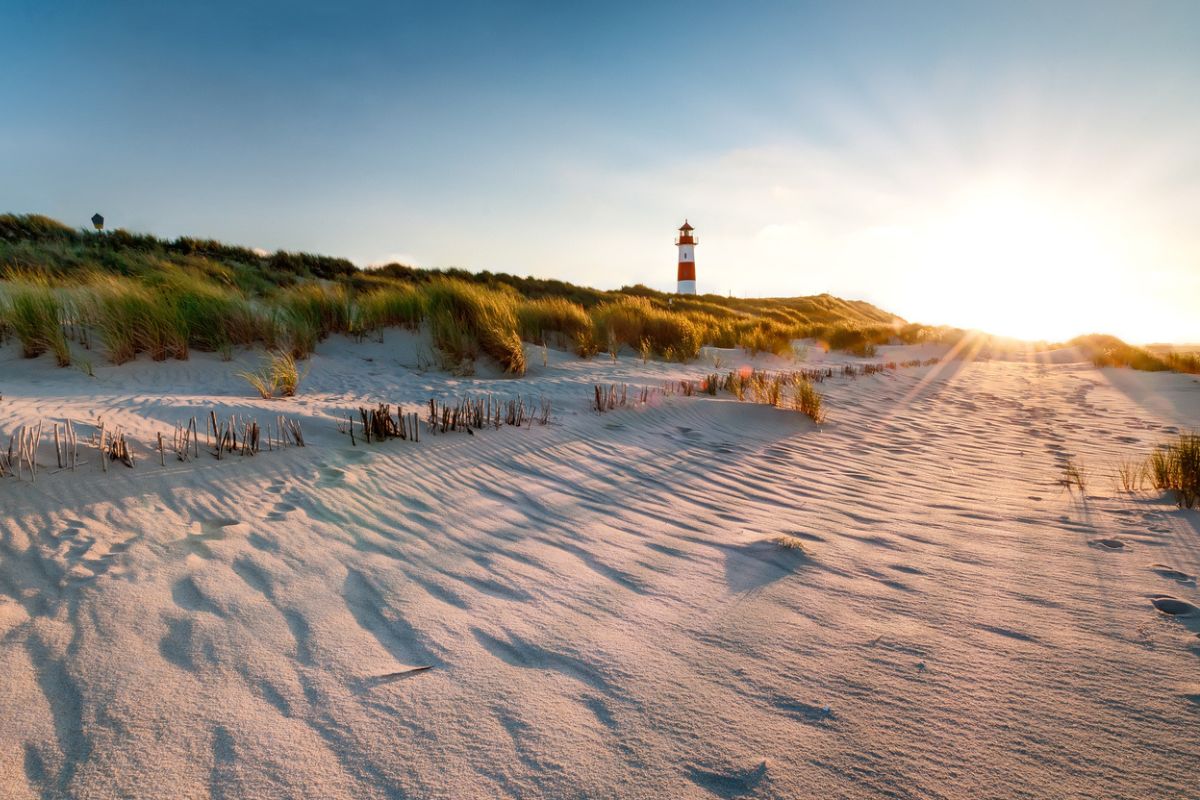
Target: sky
column 1029, row 169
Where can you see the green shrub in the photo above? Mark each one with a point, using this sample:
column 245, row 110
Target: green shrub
column 855, row 340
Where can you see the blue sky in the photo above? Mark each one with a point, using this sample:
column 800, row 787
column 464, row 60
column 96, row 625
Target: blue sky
column 972, row 163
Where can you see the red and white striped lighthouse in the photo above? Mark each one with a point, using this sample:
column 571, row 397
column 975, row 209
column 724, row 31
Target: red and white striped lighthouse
column 687, row 259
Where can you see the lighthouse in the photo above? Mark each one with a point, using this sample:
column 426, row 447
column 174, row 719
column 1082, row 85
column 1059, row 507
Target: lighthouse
column 687, row 259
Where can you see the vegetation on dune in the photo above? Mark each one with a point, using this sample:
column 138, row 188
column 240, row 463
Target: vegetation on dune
column 35, row 314
column 1109, row 351
column 630, row 321
column 552, row 316
column 142, row 294
column 279, row 376
column 1175, row 467
column 388, row 307
column 810, row 402
column 465, row 319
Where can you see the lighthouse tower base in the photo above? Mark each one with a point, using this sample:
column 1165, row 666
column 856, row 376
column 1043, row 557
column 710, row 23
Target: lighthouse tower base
column 686, row 287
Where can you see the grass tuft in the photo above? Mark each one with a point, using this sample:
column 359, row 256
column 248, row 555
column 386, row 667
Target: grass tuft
column 35, row 314
column 466, row 319
column 278, row 377
column 1074, row 474
column 1175, row 467
column 787, row 542
column 808, row 401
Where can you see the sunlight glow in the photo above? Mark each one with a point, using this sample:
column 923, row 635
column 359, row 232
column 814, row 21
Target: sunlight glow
column 1014, row 262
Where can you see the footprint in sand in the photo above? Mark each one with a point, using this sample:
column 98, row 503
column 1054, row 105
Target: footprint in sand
column 1173, row 606
column 730, row 783
column 331, row 476
column 216, row 526
column 1172, row 574
column 1108, row 544
column 281, row 510
column 210, row 530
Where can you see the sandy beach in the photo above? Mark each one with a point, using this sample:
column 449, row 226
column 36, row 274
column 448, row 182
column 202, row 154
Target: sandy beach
column 600, row 601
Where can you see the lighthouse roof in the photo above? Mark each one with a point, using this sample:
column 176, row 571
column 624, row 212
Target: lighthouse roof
column 686, row 227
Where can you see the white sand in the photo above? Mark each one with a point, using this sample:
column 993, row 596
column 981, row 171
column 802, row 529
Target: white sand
column 599, row 601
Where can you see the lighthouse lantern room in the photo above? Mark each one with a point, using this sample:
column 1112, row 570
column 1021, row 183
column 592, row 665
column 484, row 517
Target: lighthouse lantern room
column 687, row 259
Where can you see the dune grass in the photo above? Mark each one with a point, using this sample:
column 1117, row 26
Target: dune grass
column 1074, row 474
column 1183, row 362
column 1130, row 475
column 133, row 318
column 390, row 307
column 279, row 376
column 465, row 319
column 35, row 314
column 808, row 401
column 636, row 323
column 1109, row 351
column 1175, row 467
column 786, row 542
column 552, row 315
column 142, row 294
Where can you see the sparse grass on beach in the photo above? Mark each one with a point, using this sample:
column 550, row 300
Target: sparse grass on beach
column 1175, row 467
column 793, row 543
column 1130, row 475
column 809, row 401
column 279, row 376
column 1074, row 474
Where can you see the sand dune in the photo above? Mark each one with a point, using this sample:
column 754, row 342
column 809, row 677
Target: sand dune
column 599, row 602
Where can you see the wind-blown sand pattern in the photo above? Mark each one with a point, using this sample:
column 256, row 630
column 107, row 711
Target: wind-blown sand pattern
column 599, row 602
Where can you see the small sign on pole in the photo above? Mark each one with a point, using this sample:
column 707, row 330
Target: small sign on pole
column 98, row 222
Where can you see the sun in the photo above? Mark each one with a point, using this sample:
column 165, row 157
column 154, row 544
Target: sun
column 1010, row 260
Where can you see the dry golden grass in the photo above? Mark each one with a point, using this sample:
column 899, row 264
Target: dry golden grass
column 790, row 543
column 278, row 377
